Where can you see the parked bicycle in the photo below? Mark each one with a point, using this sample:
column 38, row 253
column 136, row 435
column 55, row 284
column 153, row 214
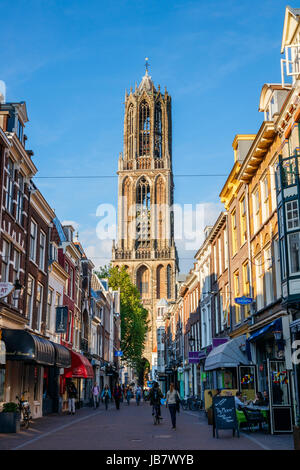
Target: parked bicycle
column 193, row 403
column 25, row 411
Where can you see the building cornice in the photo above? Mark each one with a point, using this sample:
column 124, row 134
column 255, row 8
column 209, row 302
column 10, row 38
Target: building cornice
column 263, row 140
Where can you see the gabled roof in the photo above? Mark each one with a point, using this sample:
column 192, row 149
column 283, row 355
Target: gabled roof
column 290, row 25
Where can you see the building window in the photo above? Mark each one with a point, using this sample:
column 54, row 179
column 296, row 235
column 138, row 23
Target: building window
column 236, row 281
column 269, row 288
column 71, row 282
column 39, row 305
column 217, row 314
column 259, row 283
column 49, row 308
column 234, row 232
column 20, row 199
column 20, row 130
column 16, row 271
column 29, row 300
column 69, row 334
column 33, row 240
column 246, row 286
column 225, row 249
column 277, row 267
column 220, row 256
column 130, row 132
column 294, row 252
column 5, row 261
column 292, row 215
column 243, row 220
column 255, row 199
column 265, row 198
column 9, row 186
column 42, row 251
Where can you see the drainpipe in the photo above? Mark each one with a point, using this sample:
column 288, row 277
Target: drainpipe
column 249, row 248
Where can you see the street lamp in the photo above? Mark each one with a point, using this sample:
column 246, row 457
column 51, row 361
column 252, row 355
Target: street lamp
column 18, row 291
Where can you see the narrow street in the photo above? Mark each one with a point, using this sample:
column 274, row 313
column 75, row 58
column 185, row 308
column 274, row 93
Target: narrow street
column 132, row 428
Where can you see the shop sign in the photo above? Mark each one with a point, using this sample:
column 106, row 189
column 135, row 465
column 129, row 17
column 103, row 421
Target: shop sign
column 61, row 320
column 203, row 376
column 193, row 357
column 5, row 289
column 169, row 371
column 2, row 353
column 243, row 300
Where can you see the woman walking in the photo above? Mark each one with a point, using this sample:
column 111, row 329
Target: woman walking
column 128, row 395
column 172, row 401
column 106, row 396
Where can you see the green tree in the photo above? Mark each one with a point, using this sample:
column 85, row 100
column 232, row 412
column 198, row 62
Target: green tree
column 103, row 272
column 133, row 316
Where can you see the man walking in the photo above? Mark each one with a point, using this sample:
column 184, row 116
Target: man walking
column 72, row 394
column 106, row 395
column 117, row 394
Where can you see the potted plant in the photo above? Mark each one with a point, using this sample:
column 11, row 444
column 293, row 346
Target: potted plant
column 296, row 433
column 10, row 418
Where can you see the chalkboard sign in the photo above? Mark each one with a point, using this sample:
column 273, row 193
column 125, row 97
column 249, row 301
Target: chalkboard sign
column 224, row 415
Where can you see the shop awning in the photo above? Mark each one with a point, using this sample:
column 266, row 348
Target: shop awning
column 62, row 356
column 80, row 367
column 24, row 346
column 275, row 325
column 227, row 355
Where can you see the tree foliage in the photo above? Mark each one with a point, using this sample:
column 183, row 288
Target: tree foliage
column 133, row 315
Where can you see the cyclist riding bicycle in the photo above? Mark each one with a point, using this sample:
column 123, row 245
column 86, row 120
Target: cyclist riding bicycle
column 155, row 397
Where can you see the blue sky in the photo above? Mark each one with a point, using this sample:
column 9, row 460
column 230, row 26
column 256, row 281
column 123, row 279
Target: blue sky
column 72, row 60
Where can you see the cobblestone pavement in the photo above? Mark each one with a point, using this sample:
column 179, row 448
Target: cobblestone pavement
column 132, row 428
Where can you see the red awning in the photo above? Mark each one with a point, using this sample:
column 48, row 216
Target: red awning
column 80, row 368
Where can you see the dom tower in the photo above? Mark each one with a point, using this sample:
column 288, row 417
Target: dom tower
column 145, row 242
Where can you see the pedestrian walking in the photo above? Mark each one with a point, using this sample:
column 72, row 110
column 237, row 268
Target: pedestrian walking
column 138, row 394
column 95, row 393
column 128, row 395
column 72, row 395
column 172, row 402
column 117, row 394
column 106, row 395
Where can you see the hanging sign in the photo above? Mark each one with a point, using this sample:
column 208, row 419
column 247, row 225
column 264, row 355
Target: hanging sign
column 5, row 289
column 243, row 300
column 118, row 353
column 61, row 319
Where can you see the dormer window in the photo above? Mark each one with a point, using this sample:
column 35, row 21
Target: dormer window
column 20, row 130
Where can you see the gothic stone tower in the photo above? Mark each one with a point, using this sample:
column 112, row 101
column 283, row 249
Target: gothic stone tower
column 145, row 242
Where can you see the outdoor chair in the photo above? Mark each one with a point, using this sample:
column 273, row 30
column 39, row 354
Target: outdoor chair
column 254, row 418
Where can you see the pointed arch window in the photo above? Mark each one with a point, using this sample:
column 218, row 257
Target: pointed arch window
column 143, row 213
column 169, row 274
column 159, row 281
column 158, row 131
column 144, row 126
column 130, row 132
column 143, row 281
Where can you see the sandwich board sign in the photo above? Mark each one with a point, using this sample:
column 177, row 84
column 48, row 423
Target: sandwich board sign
column 224, row 415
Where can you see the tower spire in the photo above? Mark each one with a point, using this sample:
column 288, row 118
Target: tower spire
column 147, row 65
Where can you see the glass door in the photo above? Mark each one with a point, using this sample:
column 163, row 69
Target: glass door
column 279, row 397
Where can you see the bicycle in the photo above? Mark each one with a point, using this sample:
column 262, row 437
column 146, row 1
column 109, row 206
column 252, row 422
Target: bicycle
column 25, row 411
column 156, row 417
